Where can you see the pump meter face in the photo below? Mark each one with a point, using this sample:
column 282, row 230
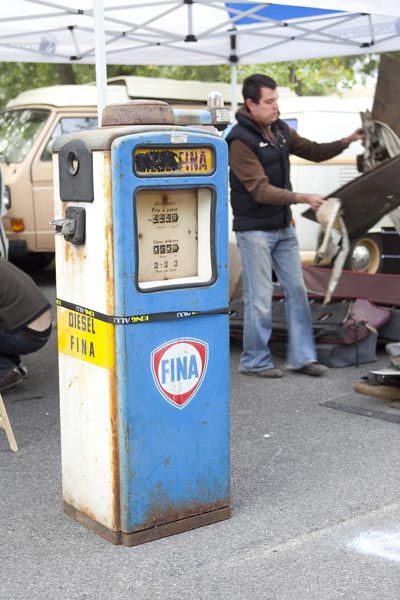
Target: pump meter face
column 174, row 237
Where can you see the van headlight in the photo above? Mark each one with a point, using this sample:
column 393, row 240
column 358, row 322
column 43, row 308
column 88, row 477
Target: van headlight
column 7, row 197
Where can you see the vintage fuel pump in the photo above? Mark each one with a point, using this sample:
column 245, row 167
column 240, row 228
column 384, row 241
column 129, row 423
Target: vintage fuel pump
column 142, row 312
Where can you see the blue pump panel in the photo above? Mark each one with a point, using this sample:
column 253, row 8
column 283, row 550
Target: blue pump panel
column 140, row 188
column 170, row 227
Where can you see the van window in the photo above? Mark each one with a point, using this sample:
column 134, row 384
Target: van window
column 291, row 122
column 68, row 125
column 3, row 238
column 18, row 131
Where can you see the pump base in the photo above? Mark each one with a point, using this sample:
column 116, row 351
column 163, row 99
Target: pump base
column 153, row 533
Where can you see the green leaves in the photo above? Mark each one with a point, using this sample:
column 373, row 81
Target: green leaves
column 306, row 77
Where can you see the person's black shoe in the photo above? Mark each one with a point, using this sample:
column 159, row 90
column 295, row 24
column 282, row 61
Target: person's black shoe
column 314, row 369
column 10, row 378
column 22, row 369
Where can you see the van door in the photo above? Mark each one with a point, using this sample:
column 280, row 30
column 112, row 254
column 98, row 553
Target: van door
column 42, row 176
column 3, row 238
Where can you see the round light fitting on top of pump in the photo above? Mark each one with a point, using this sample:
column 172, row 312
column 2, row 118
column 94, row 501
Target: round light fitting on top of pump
column 215, row 100
column 138, row 112
column 221, row 116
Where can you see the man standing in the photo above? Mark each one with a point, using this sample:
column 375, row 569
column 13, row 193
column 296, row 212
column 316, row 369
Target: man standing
column 261, row 195
column 25, row 322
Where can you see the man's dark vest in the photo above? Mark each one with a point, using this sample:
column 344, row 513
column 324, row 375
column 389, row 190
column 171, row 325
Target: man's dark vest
column 248, row 214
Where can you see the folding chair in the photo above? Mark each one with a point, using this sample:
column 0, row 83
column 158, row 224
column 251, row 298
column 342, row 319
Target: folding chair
column 6, row 425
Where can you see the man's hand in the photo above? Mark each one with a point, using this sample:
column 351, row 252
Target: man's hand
column 314, row 200
column 358, row 134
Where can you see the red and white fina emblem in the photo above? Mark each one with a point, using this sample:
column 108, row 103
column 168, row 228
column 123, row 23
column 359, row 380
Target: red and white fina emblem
column 178, row 369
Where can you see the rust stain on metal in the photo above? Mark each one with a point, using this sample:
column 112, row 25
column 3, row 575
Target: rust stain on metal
column 138, row 112
column 172, row 528
column 114, row 449
column 84, row 517
column 108, row 263
column 166, row 512
column 153, row 533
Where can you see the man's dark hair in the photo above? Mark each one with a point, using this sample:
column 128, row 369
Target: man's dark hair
column 252, row 86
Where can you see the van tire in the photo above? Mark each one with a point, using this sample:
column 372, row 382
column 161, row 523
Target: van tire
column 33, row 260
column 365, row 255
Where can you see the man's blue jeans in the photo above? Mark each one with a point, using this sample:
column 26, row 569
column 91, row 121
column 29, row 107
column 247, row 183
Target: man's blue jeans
column 262, row 252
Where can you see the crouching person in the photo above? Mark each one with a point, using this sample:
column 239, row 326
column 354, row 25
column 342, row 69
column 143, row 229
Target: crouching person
column 25, row 322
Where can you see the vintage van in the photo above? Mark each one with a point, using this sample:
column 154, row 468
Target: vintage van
column 30, row 123
column 28, row 127
column 3, row 208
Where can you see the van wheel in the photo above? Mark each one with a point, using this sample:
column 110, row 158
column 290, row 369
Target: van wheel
column 43, row 259
column 33, row 261
column 365, row 255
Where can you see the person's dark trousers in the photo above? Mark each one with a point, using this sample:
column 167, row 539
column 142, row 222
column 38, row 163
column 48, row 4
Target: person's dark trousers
column 24, row 341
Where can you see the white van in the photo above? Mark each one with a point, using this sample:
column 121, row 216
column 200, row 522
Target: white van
column 322, row 119
column 3, row 237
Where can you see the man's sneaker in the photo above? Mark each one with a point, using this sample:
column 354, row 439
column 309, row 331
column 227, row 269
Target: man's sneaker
column 313, row 368
column 271, row 373
column 10, row 378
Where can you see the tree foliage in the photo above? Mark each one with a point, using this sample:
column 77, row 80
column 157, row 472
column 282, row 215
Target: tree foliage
column 305, row 77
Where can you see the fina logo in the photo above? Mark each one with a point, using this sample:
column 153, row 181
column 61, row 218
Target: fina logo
column 178, row 369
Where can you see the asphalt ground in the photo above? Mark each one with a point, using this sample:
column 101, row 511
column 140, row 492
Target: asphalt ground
column 314, row 491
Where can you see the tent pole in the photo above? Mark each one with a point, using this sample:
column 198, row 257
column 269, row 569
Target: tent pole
column 101, row 61
column 234, row 102
column 233, row 60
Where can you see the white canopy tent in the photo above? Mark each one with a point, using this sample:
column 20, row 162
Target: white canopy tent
column 193, row 32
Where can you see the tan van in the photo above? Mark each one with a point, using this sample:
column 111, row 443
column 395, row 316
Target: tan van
column 28, row 127
column 30, row 123
column 3, row 209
